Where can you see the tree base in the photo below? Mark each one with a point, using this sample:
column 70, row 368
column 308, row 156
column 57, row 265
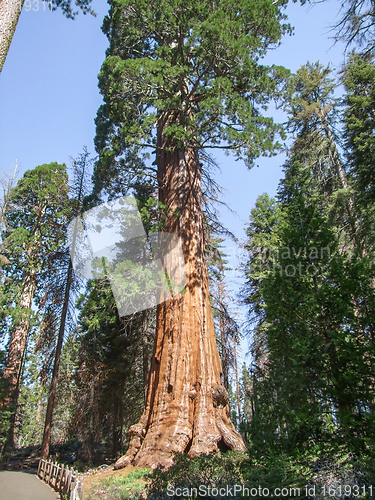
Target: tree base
column 158, row 447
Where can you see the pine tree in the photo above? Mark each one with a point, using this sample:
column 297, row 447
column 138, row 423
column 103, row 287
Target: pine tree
column 359, row 122
column 313, row 378
column 60, row 307
column 314, row 116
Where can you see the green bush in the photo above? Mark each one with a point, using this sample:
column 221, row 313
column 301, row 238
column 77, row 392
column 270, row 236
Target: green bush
column 214, row 477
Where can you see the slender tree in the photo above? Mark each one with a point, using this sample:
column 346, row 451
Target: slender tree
column 79, row 189
column 359, row 123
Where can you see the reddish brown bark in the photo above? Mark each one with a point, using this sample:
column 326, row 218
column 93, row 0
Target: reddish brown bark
column 17, row 346
column 18, row 336
column 187, row 408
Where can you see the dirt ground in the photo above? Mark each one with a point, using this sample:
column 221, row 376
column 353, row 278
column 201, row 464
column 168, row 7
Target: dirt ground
column 88, row 481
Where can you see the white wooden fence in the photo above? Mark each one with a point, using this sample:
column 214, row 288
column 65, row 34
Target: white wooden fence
column 64, row 480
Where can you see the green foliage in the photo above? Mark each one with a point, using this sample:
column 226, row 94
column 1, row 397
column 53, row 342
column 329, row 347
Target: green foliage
column 109, row 375
column 359, row 81
column 217, row 470
column 192, row 70
column 33, row 234
column 310, row 287
column 66, row 7
column 35, row 228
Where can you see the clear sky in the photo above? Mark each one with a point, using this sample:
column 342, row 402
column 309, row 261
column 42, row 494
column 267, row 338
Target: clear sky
column 49, row 95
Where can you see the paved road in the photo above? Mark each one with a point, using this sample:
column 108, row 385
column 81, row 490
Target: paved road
column 24, row 486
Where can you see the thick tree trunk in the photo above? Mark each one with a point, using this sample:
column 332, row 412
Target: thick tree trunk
column 16, row 351
column 187, row 408
column 145, row 361
column 10, row 11
column 18, row 336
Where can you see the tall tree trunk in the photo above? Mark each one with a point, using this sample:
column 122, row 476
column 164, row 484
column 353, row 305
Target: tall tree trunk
column 238, row 397
column 69, row 279
column 145, row 361
column 15, row 358
column 223, row 339
column 187, row 408
column 12, row 404
column 56, row 366
column 18, row 337
column 10, row 11
column 92, row 407
column 342, row 180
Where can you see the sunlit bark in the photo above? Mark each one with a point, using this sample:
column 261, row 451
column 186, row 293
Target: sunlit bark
column 187, row 407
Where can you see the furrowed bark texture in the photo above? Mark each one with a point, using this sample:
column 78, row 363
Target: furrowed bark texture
column 18, row 337
column 10, row 11
column 187, row 406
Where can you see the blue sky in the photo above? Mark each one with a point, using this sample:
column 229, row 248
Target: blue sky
column 49, row 95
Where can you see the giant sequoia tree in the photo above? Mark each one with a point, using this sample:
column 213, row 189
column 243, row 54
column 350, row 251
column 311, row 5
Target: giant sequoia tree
column 181, row 77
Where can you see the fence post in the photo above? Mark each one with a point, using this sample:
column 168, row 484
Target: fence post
column 42, row 468
column 80, row 488
column 64, row 480
column 50, row 479
column 61, row 475
column 47, row 472
column 50, row 482
column 69, row 480
column 72, row 495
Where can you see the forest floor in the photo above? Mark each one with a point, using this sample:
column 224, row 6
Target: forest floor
column 111, row 483
column 92, row 479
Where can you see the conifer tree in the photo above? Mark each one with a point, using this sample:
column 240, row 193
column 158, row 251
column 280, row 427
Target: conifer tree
column 313, row 379
column 35, row 229
column 359, row 123
column 179, row 78
column 110, row 372
column 60, row 307
column 313, row 117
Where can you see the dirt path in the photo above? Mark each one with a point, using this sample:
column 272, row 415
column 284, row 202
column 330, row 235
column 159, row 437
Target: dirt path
column 24, row 486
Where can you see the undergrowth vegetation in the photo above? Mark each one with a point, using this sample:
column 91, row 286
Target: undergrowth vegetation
column 236, row 475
